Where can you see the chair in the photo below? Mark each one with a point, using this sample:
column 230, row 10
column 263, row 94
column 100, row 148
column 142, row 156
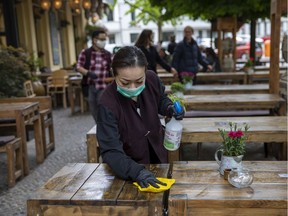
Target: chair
column 28, row 88
column 11, row 145
column 58, row 84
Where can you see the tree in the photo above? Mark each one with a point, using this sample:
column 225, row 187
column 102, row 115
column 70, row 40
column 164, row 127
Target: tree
column 148, row 13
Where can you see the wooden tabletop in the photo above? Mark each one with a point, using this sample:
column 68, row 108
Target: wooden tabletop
column 218, row 76
column 224, row 89
column 265, row 129
column 93, row 189
column 232, row 101
column 201, row 190
column 262, row 128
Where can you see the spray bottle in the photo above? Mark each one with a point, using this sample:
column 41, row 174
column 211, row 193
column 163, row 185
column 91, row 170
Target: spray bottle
column 173, row 131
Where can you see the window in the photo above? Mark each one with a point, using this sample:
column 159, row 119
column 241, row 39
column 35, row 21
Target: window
column 133, row 37
column 133, row 17
column 111, row 38
column 110, row 16
column 166, row 36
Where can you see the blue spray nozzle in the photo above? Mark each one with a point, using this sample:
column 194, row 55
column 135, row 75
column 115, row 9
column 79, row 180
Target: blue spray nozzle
column 178, row 107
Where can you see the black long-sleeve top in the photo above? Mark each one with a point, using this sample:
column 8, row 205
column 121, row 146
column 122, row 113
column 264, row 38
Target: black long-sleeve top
column 153, row 58
column 124, row 135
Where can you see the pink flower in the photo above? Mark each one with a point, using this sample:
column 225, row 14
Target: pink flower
column 235, row 134
column 232, row 134
column 239, row 133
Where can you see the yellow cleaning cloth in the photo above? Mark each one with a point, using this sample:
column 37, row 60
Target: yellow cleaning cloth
column 161, row 188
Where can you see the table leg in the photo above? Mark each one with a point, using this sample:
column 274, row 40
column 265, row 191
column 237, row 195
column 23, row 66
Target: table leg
column 38, row 141
column 21, row 132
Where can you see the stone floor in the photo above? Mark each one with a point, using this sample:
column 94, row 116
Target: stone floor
column 70, row 133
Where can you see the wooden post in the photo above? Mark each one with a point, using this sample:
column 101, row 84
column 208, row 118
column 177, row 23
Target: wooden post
column 277, row 7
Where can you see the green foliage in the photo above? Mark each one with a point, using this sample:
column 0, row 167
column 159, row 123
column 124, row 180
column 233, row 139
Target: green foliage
column 174, row 98
column 234, row 141
column 211, row 9
column 147, row 13
column 13, row 64
column 177, row 87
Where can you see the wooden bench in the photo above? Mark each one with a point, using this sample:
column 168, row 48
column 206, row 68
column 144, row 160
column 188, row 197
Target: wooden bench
column 13, row 148
column 92, row 189
column 46, row 119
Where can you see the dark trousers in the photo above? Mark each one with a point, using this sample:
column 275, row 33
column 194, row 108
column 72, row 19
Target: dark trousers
column 93, row 98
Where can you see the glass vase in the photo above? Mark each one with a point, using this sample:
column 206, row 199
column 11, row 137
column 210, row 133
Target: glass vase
column 240, row 177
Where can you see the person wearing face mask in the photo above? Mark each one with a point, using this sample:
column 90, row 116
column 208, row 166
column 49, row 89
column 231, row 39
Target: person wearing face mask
column 145, row 43
column 129, row 131
column 94, row 64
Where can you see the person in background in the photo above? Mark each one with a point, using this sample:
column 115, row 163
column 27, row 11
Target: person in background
column 145, row 43
column 213, row 60
column 94, row 64
column 129, row 131
column 172, row 44
column 187, row 55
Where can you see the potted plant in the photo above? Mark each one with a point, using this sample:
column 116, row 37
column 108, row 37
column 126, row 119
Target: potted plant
column 13, row 72
column 177, row 88
column 232, row 147
column 248, row 66
column 187, row 79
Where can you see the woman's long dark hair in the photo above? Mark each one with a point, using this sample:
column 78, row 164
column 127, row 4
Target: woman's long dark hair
column 128, row 56
column 144, row 38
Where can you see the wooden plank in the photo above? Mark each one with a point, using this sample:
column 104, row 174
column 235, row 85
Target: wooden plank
column 92, row 146
column 64, row 184
column 232, row 102
column 201, row 190
column 262, row 129
column 224, row 89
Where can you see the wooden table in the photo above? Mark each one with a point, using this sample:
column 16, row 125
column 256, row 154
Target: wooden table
column 225, row 89
column 92, row 189
column 264, row 129
column 234, row 102
column 201, row 190
column 25, row 113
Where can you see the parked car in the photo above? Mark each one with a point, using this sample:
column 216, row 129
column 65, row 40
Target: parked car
column 243, row 50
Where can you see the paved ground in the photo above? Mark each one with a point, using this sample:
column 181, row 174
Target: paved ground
column 70, row 133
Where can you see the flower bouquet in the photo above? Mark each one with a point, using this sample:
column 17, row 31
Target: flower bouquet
column 187, row 79
column 232, row 148
column 234, row 141
column 248, row 67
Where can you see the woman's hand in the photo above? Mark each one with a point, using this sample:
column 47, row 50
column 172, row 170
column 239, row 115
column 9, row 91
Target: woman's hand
column 145, row 178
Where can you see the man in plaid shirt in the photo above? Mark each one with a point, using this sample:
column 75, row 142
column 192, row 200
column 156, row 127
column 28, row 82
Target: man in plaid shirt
column 94, row 64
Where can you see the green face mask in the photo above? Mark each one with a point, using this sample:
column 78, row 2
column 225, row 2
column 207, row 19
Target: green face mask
column 130, row 92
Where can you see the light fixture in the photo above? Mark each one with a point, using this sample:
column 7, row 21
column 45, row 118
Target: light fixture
column 57, row 4
column 86, row 4
column 45, row 4
column 94, row 18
